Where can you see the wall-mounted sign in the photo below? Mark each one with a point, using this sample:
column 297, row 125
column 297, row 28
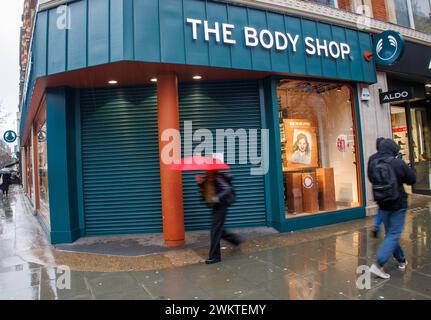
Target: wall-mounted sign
column 388, row 47
column 416, row 61
column 267, row 39
column 365, row 94
column 396, row 95
column 9, row 136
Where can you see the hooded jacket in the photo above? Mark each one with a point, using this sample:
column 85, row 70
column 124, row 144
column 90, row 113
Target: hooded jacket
column 405, row 174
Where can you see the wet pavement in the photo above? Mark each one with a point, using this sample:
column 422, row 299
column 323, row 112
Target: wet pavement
column 319, row 263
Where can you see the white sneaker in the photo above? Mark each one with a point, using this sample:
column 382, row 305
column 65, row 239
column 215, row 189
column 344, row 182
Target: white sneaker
column 402, row 265
column 379, row 272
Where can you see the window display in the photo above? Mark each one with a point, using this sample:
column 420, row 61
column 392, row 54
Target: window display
column 421, row 136
column 400, row 132
column 318, row 147
column 43, row 172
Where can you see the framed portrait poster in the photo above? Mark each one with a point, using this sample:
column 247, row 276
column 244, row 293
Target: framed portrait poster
column 301, row 144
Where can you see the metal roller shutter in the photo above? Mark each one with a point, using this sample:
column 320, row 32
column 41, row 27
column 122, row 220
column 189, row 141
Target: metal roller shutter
column 223, row 105
column 120, row 163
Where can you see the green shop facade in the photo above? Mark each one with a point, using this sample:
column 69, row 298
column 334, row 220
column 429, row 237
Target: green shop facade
column 108, row 76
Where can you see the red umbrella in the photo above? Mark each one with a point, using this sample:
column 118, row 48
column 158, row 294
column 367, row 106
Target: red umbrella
column 198, row 163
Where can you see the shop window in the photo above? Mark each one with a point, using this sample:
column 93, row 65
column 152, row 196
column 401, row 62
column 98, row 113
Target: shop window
column 421, row 140
column 422, row 15
column 414, row 14
column 29, row 160
column 43, row 172
column 400, row 131
column 402, row 13
column 332, row 3
column 318, row 140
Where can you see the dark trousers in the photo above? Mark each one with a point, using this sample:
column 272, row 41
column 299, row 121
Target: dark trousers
column 218, row 232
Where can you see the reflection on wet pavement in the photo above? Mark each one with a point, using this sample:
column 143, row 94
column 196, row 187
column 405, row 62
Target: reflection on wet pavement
column 319, row 263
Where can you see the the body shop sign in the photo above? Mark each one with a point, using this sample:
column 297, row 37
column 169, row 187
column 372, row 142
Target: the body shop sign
column 281, row 41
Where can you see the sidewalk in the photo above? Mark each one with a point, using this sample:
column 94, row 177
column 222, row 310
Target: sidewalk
column 317, row 263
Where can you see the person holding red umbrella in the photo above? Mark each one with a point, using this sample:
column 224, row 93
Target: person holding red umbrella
column 217, row 190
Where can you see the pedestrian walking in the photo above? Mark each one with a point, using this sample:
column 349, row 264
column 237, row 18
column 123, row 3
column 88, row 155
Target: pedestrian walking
column 388, row 173
column 4, row 186
column 378, row 219
column 217, row 190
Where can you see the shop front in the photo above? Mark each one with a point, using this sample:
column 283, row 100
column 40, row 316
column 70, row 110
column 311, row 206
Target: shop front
column 274, row 94
column 409, row 97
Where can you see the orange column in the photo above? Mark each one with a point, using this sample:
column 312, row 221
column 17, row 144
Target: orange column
column 171, row 182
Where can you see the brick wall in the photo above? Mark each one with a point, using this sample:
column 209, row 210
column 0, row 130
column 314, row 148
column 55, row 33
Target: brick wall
column 28, row 16
column 344, row 5
column 379, row 10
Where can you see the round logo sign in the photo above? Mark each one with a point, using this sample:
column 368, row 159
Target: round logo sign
column 389, row 47
column 9, row 136
column 41, row 137
column 308, row 182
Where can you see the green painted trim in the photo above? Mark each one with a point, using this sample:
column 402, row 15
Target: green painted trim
column 322, row 219
column 62, row 167
column 79, row 178
column 360, row 143
column 275, row 164
column 58, row 237
column 264, row 125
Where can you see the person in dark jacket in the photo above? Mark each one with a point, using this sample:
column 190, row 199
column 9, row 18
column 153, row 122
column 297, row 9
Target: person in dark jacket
column 6, row 183
column 378, row 220
column 217, row 191
column 393, row 212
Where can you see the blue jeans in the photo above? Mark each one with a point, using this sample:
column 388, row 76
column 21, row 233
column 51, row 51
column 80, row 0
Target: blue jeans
column 378, row 220
column 394, row 225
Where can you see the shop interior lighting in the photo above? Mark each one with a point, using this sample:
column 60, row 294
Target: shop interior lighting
column 197, row 77
column 153, row 80
column 428, row 85
column 112, row 81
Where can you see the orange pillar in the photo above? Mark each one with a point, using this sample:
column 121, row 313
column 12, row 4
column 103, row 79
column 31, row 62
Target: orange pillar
column 170, row 180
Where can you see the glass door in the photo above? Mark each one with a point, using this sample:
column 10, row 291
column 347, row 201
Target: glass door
column 420, row 115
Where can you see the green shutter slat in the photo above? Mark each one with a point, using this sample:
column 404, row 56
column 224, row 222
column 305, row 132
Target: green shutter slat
column 121, row 174
column 223, row 105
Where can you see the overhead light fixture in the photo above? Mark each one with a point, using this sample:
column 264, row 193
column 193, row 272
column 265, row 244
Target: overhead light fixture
column 428, row 85
column 153, row 80
column 339, row 89
column 112, row 81
column 197, row 77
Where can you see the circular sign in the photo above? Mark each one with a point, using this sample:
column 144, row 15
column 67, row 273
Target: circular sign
column 9, row 136
column 41, row 136
column 389, row 47
column 308, row 182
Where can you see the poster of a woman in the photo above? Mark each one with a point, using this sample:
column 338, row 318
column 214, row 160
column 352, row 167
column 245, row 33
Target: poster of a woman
column 301, row 152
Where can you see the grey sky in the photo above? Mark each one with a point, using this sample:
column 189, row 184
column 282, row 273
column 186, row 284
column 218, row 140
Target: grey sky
column 10, row 24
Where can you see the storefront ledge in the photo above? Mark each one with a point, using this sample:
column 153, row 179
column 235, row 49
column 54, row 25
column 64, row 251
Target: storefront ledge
column 319, row 220
column 58, row 237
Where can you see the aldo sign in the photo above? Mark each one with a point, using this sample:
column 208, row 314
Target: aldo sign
column 389, row 47
column 396, row 95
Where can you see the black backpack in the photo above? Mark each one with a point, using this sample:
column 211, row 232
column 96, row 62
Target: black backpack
column 232, row 196
column 385, row 183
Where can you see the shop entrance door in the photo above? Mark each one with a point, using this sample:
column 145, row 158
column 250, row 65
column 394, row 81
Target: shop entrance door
column 400, row 132
column 419, row 114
